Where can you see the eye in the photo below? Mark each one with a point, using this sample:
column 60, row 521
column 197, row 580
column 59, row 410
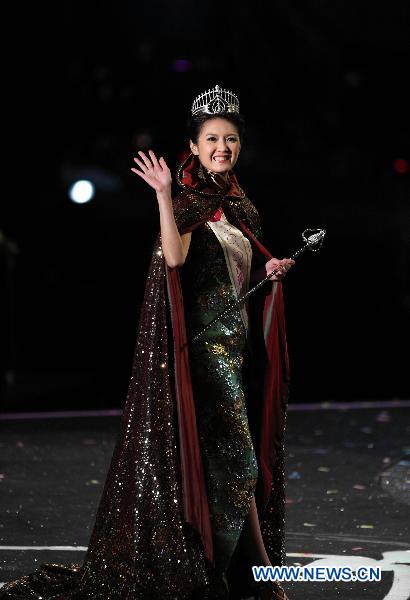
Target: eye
column 211, row 138
column 232, row 139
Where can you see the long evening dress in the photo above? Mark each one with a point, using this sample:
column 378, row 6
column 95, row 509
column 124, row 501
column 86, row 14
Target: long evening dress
column 203, row 423
column 217, row 270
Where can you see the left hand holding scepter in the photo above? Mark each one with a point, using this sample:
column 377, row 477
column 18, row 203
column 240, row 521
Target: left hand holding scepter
column 281, row 267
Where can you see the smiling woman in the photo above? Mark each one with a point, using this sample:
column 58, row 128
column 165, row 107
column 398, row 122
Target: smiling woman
column 195, row 491
column 216, row 141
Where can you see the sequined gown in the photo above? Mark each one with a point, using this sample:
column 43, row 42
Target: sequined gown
column 184, row 468
column 216, row 271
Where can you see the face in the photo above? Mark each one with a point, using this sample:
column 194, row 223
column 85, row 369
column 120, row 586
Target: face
column 218, row 145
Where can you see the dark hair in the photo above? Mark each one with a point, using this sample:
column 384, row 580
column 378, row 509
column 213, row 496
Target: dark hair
column 194, row 124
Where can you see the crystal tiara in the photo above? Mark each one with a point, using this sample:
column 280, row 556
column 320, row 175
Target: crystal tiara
column 215, row 101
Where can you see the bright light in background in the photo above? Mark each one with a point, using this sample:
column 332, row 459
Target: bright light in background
column 81, row 191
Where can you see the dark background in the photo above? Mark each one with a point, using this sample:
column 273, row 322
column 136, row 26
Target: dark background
column 325, row 90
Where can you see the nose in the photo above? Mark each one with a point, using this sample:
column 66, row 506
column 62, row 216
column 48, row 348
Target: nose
column 222, row 145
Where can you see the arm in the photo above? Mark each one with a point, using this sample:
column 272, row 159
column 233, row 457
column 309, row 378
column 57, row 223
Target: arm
column 157, row 174
column 174, row 245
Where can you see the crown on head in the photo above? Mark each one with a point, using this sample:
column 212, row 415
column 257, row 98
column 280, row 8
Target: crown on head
column 215, row 101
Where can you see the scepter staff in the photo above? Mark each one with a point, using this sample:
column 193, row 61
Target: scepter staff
column 313, row 239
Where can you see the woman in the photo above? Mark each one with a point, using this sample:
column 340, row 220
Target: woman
column 200, row 448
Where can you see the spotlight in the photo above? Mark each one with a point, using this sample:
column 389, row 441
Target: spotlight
column 81, row 191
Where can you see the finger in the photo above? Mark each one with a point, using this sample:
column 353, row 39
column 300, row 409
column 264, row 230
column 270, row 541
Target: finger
column 277, row 273
column 153, row 158
column 141, row 164
column 163, row 163
column 140, row 174
column 145, row 159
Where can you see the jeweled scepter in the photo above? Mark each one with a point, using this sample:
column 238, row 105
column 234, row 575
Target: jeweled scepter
column 313, row 239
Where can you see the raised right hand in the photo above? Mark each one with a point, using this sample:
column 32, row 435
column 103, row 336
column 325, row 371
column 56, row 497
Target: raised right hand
column 155, row 173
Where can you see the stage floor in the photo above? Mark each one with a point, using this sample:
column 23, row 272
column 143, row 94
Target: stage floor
column 348, row 493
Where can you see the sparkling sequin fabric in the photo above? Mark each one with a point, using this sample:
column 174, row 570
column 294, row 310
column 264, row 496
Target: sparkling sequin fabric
column 217, row 267
column 142, row 548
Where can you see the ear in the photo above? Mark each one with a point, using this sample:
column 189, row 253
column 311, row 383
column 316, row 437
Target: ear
column 194, row 147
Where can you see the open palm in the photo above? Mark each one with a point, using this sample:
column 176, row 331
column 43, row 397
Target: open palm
column 155, row 172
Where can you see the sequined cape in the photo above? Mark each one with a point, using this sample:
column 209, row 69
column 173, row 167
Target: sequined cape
column 152, row 535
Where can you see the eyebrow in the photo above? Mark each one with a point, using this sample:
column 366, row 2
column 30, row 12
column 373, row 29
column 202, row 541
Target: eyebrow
column 209, row 133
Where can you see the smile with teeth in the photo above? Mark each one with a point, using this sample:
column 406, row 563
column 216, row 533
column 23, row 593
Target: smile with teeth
column 220, row 159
